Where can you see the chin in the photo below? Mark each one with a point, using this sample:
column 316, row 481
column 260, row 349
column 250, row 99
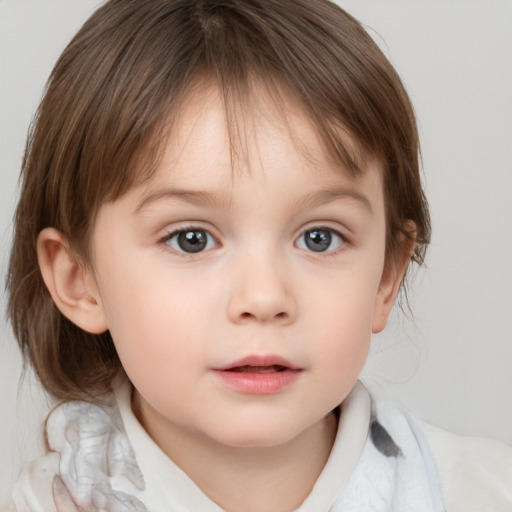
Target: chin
column 258, row 435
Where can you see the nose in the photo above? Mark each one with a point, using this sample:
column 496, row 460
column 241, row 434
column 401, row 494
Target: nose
column 260, row 294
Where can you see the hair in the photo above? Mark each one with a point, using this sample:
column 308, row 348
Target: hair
column 115, row 91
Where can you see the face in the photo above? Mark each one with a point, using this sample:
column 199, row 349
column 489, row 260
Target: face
column 242, row 302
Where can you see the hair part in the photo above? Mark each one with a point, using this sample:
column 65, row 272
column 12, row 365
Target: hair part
column 116, row 91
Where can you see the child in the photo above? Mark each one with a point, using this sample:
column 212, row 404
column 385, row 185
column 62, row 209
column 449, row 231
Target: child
column 219, row 205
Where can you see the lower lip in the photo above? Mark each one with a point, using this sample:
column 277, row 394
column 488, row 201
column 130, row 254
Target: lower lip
column 258, row 383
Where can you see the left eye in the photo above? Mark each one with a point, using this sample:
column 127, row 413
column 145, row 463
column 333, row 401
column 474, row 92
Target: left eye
column 320, row 240
column 191, row 241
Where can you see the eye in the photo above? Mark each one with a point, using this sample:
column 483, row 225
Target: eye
column 320, row 240
column 190, row 241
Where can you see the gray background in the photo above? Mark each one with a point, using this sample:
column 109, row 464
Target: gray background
column 452, row 362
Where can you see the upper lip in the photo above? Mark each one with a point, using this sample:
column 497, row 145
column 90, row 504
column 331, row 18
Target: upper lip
column 259, row 360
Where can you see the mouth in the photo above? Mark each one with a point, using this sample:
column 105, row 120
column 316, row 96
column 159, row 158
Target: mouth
column 258, row 375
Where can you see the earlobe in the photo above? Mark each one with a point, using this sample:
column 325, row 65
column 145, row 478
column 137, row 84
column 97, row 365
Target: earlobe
column 391, row 280
column 71, row 286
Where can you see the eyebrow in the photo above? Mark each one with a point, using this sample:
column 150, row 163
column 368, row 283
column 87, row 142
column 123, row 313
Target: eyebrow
column 210, row 199
column 331, row 194
column 197, row 197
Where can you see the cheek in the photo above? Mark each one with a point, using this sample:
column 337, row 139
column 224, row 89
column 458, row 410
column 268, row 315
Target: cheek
column 342, row 354
column 154, row 317
column 346, row 299
column 342, row 314
column 345, row 338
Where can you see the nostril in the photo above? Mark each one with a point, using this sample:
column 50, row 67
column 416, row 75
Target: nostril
column 281, row 316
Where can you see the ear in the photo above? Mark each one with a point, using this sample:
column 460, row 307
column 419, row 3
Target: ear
column 392, row 276
column 71, row 285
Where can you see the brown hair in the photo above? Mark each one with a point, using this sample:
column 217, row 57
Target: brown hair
column 109, row 100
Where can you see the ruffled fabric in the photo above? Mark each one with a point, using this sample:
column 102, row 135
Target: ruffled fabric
column 94, row 453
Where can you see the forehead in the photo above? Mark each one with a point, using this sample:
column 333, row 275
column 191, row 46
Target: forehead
column 262, row 131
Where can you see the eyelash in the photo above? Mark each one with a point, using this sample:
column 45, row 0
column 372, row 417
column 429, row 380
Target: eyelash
column 164, row 241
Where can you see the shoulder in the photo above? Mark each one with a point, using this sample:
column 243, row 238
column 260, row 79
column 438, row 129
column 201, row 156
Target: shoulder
column 475, row 473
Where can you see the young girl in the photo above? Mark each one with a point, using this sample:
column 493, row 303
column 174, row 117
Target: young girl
column 220, row 201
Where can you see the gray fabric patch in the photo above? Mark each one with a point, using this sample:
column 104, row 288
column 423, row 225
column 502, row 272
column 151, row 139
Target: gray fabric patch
column 383, row 441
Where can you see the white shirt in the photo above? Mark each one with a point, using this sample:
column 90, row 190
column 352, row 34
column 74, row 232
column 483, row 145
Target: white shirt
column 382, row 460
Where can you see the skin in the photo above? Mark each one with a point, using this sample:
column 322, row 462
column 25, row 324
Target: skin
column 256, row 288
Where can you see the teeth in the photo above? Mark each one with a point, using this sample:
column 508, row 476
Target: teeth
column 258, row 369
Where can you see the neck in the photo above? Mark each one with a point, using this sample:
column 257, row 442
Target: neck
column 277, row 478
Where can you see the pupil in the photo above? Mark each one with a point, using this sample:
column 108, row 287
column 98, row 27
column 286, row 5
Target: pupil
column 192, row 241
column 318, row 240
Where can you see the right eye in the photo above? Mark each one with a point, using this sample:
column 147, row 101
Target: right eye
column 190, row 241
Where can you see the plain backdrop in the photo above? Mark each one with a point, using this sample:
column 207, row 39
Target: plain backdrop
column 451, row 361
